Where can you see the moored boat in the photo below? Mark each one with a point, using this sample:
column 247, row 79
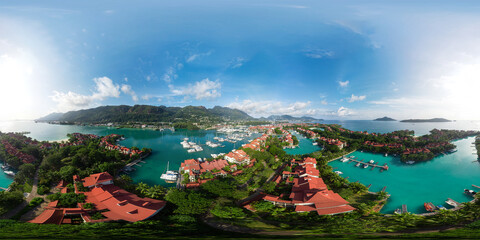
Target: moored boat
column 10, row 173
column 429, row 206
column 339, row 172
column 451, row 203
column 169, row 176
column 469, row 192
column 365, row 165
column 441, row 207
column 357, row 165
column 397, row 211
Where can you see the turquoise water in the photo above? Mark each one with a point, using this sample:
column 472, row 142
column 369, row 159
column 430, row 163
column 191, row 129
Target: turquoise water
column 434, row 181
column 304, row 146
column 165, row 145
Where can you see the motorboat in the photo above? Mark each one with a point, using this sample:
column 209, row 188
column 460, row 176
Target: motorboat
column 192, row 150
column 365, row 165
column 441, row 207
column 410, row 162
column 469, row 192
column 338, row 172
column 386, row 155
column 429, row 206
column 10, row 173
column 371, row 161
column 397, row 211
column 344, row 159
column 357, row 165
column 451, row 203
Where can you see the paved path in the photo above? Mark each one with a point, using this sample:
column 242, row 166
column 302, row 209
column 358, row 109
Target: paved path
column 29, row 198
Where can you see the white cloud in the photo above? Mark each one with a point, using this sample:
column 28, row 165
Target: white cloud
column 170, row 75
column 341, row 112
column 192, row 57
column 324, row 102
column 318, row 53
column 343, row 84
column 267, row 108
column 105, row 88
column 127, row 89
column 204, row 89
column 354, row 98
column 237, row 62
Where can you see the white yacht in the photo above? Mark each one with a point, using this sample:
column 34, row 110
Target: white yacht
column 169, row 176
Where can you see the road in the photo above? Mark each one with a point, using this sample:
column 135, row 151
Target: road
column 33, row 194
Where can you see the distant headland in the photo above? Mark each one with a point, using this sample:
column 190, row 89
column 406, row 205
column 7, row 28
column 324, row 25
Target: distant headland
column 384, row 119
column 426, row 120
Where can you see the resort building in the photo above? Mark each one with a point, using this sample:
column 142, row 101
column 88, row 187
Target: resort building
column 238, row 157
column 309, row 192
column 114, row 203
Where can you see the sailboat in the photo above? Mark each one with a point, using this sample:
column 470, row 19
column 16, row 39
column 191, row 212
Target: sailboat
column 169, row 176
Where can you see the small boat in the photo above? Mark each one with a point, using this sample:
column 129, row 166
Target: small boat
column 451, row 203
column 469, row 192
column 371, row 161
column 441, row 207
column 357, row 165
column 386, row 155
column 410, row 162
column 191, row 150
column 338, row 172
column 365, row 165
column 314, row 143
column 429, row 206
column 169, row 176
column 344, row 159
column 397, row 211
column 10, row 173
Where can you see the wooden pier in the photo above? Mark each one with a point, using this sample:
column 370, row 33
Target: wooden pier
column 475, row 186
column 4, row 189
column 384, row 188
column 369, row 185
column 404, row 208
column 373, row 165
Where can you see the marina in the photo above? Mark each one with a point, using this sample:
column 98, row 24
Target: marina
column 412, row 185
column 415, row 184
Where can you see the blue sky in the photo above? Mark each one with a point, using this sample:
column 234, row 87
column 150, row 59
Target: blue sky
column 341, row 60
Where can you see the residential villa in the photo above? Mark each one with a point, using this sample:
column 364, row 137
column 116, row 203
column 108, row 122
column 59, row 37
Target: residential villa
column 309, row 192
column 114, row 203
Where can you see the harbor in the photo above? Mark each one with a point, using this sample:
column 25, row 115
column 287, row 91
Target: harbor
column 413, row 185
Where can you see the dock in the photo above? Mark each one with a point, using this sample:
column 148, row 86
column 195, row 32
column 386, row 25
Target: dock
column 4, row 189
column 373, row 165
column 404, row 208
column 473, row 185
column 369, row 185
column 384, row 188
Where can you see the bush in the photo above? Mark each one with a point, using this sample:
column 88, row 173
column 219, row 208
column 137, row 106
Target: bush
column 42, row 189
column 182, row 218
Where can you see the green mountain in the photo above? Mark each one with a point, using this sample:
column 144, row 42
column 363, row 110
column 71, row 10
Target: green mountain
column 384, row 119
column 148, row 113
column 291, row 118
column 427, row 120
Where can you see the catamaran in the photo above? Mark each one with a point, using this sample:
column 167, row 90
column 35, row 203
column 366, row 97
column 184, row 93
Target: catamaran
column 169, row 176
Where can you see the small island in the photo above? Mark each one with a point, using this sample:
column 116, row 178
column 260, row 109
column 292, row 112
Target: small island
column 384, row 119
column 426, row 120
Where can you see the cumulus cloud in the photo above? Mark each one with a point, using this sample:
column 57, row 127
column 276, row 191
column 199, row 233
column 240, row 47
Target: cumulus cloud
column 204, row 89
column 127, row 89
column 267, row 108
column 104, row 88
column 354, row 98
column 343, row 84
column 341, row 112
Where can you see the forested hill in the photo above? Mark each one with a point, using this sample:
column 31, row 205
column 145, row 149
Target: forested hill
column 147, row 113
